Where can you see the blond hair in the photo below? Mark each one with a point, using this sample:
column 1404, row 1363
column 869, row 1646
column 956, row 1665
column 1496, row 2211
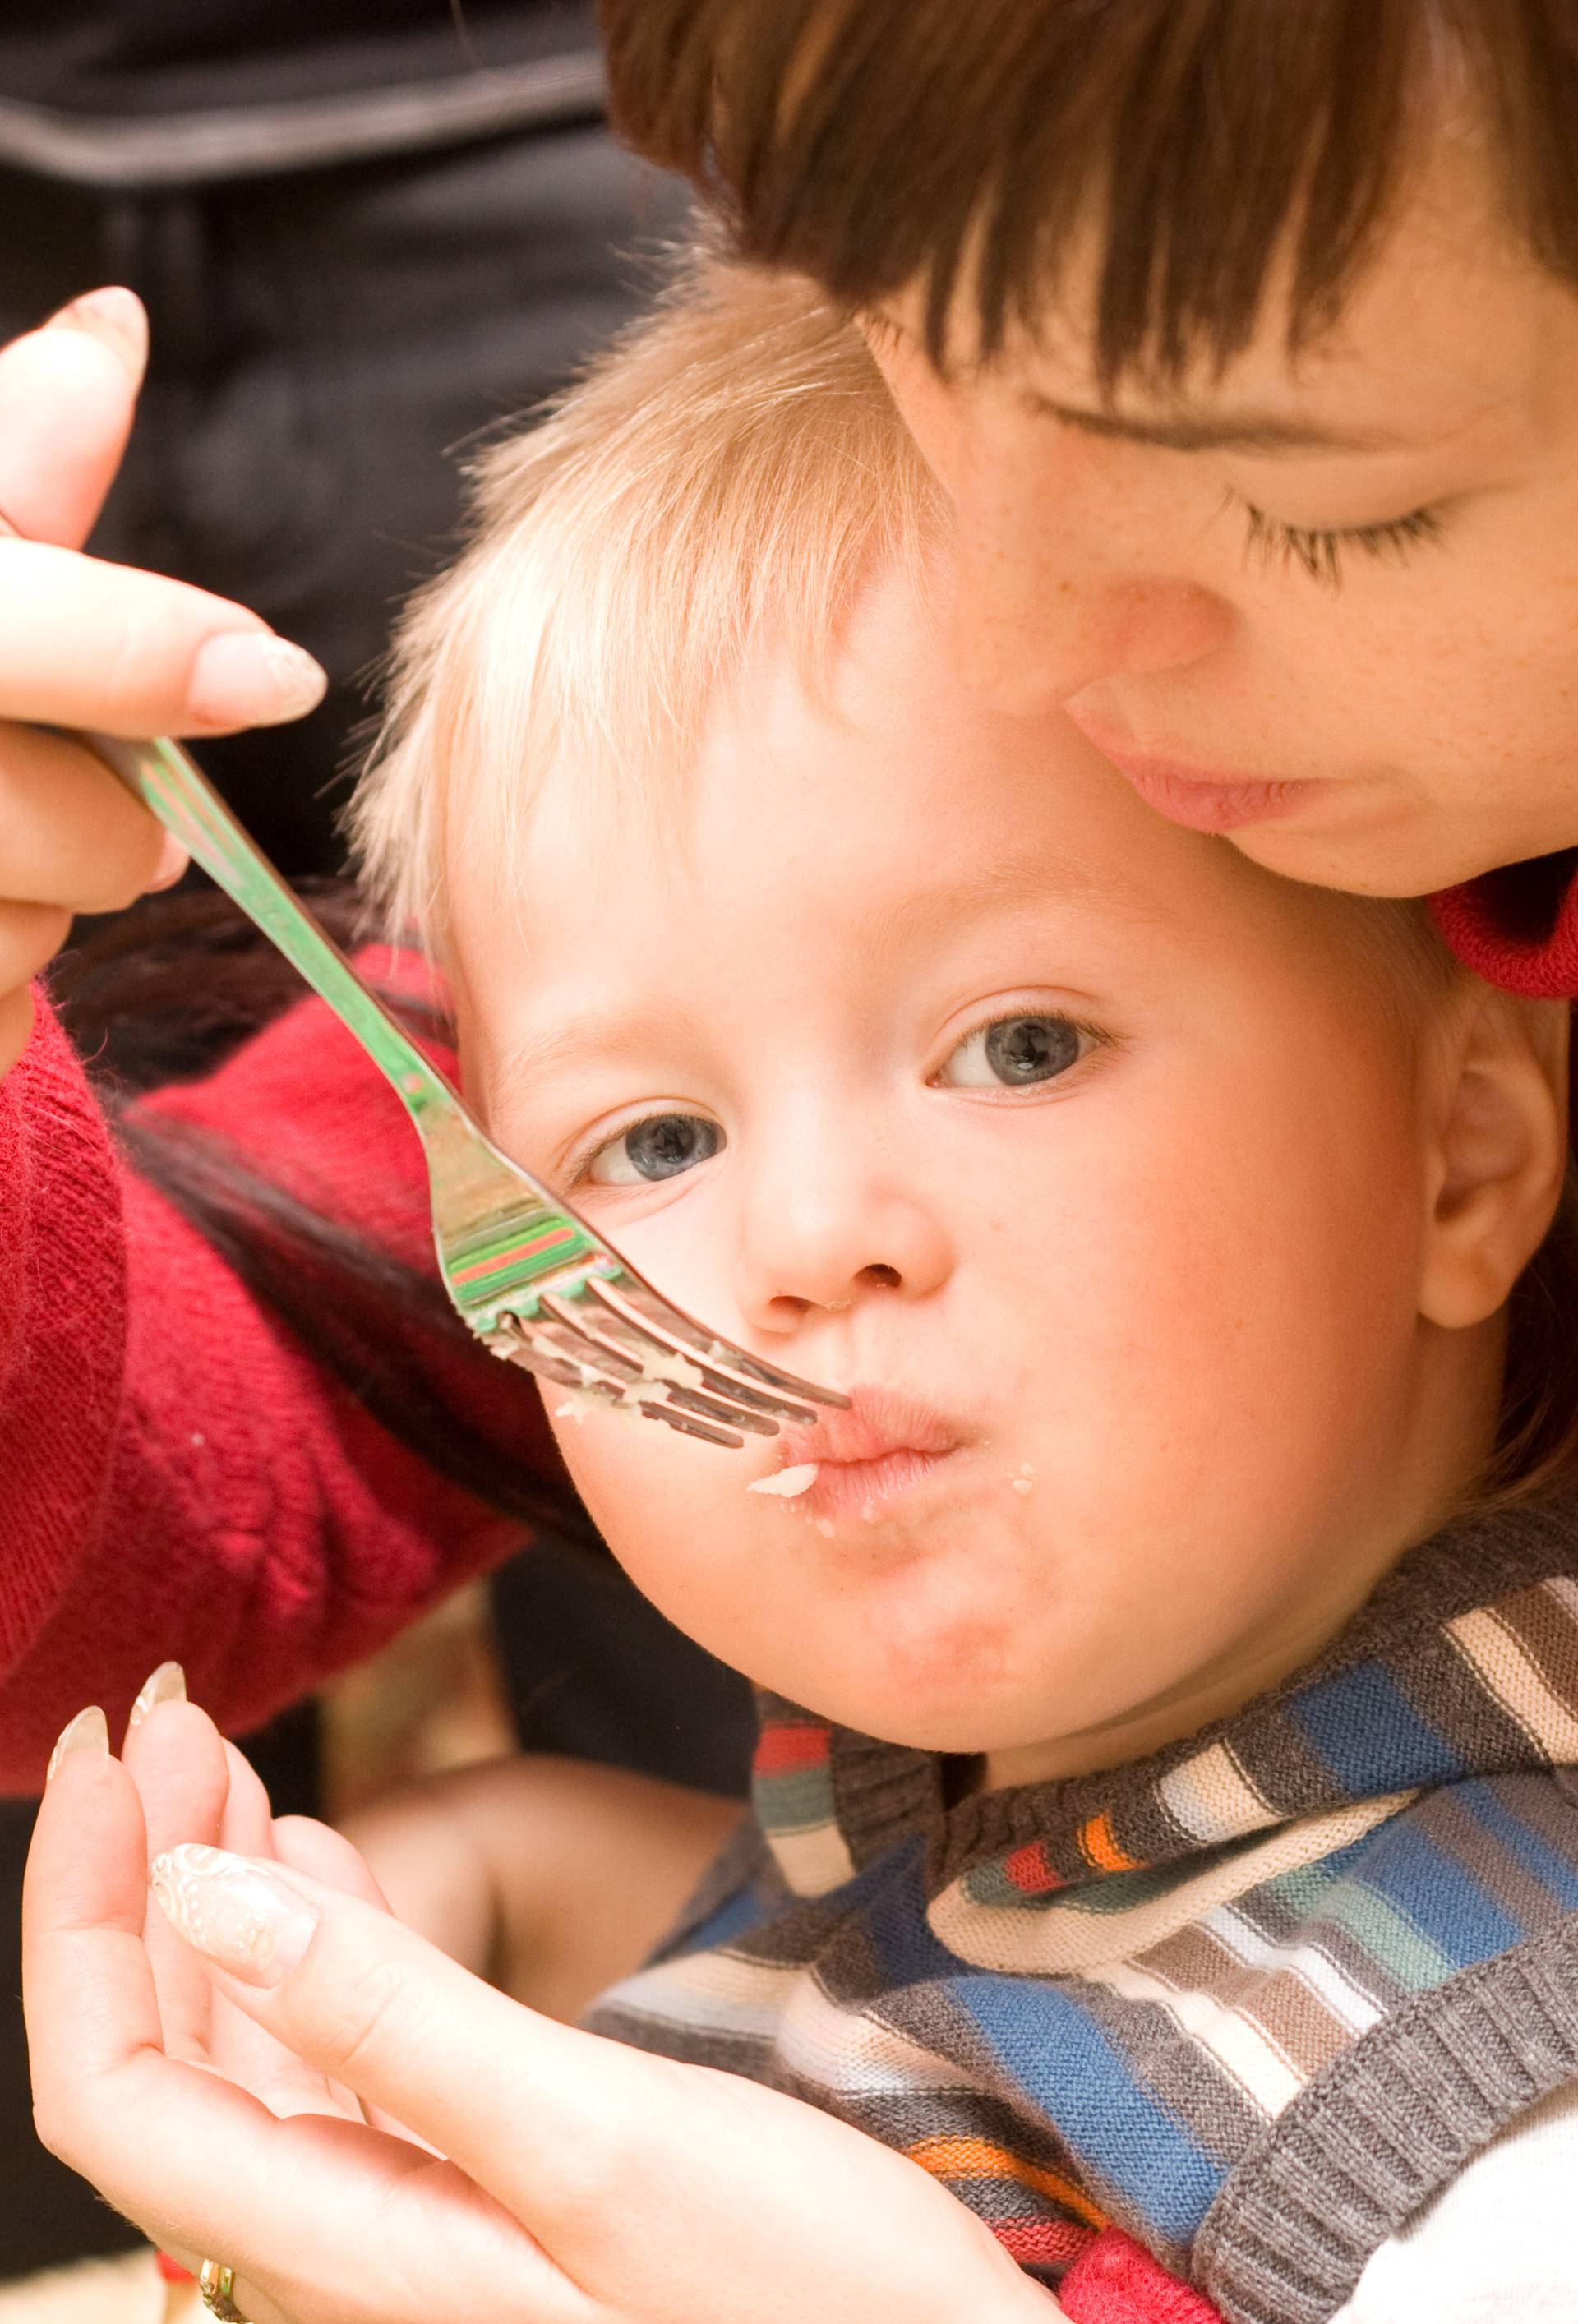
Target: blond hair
column 733, row 464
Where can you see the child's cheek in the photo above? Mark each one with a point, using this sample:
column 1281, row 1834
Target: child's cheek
column 642, row 1482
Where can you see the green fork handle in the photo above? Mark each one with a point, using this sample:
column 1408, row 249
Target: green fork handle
column 186, row 803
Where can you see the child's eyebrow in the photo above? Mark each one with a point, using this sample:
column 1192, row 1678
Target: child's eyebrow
column 989, row 887
column 595, row 1034
column 536, row 1056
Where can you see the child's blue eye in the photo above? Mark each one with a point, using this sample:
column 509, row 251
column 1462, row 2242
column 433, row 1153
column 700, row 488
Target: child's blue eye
column 661, row 1147
column 1014, row 1053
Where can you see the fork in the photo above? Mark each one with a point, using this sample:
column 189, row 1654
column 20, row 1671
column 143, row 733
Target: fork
column 535, row 1282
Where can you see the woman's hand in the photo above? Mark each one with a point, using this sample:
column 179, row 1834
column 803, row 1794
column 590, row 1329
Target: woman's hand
column 585, row 2184
column 86, row 644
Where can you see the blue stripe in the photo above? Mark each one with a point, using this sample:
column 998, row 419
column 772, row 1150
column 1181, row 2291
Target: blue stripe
column 1431, row 1887
column 1074, row 2077
column 734, row 1917
column 895, row 1929
column 1489, row 1805
column 1361, row 1724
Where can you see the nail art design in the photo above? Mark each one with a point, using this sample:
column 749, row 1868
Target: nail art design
column 88, row 1731
column 241, row 1915
column 168, row 1685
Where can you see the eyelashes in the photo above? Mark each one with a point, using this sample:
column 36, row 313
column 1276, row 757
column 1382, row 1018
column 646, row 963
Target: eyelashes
column 1320, row 552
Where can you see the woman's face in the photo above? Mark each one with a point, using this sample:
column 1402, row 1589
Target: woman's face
column 1328, row 607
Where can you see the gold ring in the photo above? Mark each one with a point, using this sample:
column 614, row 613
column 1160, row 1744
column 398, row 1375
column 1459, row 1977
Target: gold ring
column 215, row 2285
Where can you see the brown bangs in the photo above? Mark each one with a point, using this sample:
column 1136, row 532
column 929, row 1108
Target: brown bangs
column 879, row 145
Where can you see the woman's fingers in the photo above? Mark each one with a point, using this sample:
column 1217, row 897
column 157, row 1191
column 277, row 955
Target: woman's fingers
column 71, row 835
column 326, row 1855
column 84, row 643
column 325, row 2217
column 527, row 2106
column 236, row 2046
column 72, row 839
column 67, row 394
column 88, row 1995
column 176, row 1758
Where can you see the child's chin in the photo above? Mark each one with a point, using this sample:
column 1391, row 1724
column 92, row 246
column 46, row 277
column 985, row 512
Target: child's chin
column 948, row 1718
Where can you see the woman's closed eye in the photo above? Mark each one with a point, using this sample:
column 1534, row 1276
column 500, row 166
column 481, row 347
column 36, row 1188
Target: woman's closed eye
column 1024, row 1051
column 659, row 1146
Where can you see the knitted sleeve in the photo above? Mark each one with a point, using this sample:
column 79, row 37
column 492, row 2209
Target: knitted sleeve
column 177, row 1479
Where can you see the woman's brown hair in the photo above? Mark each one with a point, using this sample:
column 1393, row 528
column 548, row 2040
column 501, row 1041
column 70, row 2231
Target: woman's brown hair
column 877, row 145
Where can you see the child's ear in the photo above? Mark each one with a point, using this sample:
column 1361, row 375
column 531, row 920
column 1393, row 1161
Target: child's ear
column 1500, row 1152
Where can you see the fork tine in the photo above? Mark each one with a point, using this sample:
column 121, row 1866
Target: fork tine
column 523, row 1343
column 688, row 1425
column 571, row 1370
column 759, row 1387
column 605, row 1349
column 714, row 1407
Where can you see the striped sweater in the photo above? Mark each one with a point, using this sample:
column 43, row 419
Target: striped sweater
column 1251, row 2000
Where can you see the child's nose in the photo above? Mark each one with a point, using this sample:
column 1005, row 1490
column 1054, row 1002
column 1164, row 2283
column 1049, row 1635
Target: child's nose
column 809, row 1247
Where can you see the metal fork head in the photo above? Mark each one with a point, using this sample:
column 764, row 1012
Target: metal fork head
column 543, row 1289
column 609, row 1337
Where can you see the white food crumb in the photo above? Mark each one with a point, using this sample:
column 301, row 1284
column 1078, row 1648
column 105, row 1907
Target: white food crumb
column 580, row 1402
column 1025, row 1469
column 824, row 1527
column 1021, row 1484
column 787, row 1484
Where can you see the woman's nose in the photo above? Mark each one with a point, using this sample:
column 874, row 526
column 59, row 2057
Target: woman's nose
column 832, row 1244
column 1034, row 626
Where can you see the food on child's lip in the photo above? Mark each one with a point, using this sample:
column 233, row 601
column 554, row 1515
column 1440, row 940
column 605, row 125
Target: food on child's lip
column 1025, row 1482
column 787, row 1484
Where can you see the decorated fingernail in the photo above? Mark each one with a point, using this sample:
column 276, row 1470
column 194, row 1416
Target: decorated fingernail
column 88, row 1731
column 168, row 1685
column 237, row 1913
column 249, row 677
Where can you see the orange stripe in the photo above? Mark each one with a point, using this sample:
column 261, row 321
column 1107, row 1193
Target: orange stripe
column 948, row 2157
column 1101, row 1849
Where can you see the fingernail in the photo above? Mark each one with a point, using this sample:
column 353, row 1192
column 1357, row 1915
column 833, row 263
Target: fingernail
column 248, row 678
column 235, row 1910
column 88, row 1731
column 113, row 314
column 168, row 1685
column 171, row 865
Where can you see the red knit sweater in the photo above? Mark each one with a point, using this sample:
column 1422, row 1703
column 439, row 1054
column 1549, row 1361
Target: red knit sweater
column 175, row 1477
column 1518, row 927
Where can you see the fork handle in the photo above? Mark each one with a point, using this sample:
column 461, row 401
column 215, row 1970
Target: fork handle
column 169, row 782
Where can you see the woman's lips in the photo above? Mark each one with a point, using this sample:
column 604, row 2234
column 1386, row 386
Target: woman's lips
column 1201, row 798
column 884, row 1445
